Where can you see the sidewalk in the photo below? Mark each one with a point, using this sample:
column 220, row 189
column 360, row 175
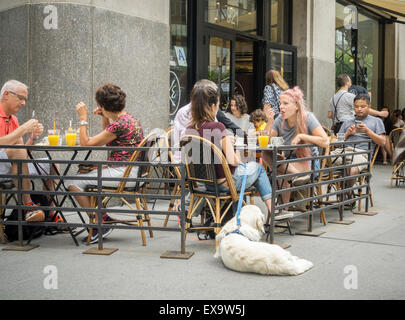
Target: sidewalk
column 374, row 246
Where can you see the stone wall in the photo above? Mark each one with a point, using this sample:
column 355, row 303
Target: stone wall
column 314, row 36
column 124, row 42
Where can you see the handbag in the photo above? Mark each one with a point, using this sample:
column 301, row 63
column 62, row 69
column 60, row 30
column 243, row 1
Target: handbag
column 337, row 124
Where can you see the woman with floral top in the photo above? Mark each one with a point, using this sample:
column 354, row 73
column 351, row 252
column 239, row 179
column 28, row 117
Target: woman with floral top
column 275, row 86
column 120, row 129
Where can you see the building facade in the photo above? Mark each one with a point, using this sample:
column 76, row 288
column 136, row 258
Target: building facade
column 64, row 50
column 235, row 42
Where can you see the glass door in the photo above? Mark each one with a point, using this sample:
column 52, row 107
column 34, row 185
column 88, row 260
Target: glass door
column 220, row 67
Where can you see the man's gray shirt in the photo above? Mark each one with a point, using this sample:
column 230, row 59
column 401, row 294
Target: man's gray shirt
column 343, row 101
column 373, row 123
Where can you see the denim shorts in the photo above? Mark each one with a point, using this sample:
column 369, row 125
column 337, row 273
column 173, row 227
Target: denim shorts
column 256, row 175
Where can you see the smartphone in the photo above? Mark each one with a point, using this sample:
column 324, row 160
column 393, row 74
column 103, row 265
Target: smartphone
column 357, row 122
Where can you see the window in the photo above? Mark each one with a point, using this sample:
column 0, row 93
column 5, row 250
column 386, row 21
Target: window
column 278, row 26
column 240, row 15
column 178, row 56
column 357, row 48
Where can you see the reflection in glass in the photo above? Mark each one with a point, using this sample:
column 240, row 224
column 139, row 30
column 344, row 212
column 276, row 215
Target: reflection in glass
column 283, row 61
column 367, row 55
column 357, row 49
column 219, row 68
column 239, row 15
column 345, row 45
column 244, row 76
column 178, row 56
column 277, row 21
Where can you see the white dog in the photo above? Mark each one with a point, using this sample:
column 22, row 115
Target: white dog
column 244, row 253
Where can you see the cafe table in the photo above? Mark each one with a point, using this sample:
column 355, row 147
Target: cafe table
column 49, row 151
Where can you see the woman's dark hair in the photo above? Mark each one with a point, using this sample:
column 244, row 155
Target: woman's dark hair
column 240, row 104
column 111, row 97
column 204, row 94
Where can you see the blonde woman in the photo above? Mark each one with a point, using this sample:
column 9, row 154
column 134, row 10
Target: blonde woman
column 275, row 85
column 297, row 126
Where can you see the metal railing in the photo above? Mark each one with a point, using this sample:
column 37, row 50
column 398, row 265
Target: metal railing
column 338, row 174
column 140, row 190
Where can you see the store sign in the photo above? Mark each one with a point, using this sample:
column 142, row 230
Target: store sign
column 174, row 93
column 181, row 56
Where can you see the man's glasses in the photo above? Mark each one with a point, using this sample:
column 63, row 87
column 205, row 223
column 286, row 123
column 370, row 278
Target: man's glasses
column 20, row 97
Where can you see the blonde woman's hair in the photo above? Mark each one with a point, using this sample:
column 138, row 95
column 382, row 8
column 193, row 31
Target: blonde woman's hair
column 273, row 76
column 302, row 115
column 204, row 94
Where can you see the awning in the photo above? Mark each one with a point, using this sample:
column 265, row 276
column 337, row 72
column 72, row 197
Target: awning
column 394, row 8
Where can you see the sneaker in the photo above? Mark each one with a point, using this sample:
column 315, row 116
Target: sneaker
column 299, row 181
column 94, row 236
column 283, row 214
column 34, row 215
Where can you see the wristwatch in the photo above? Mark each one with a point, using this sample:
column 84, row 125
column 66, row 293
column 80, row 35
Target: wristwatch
column 84, row 123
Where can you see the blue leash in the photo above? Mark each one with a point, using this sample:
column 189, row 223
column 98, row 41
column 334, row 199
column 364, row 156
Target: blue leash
column 242, row 192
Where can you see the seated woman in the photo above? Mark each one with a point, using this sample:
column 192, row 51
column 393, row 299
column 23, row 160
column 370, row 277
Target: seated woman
column 120, row 129
column 297, row 126
column 204, row 107
column 237, row 113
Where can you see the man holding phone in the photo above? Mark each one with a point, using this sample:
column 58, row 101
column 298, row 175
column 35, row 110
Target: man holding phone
column 363, row 127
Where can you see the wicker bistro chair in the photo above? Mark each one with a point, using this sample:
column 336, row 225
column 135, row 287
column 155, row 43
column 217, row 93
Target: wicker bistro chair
column 136, row 191
column 398, row 171
column 199, row 156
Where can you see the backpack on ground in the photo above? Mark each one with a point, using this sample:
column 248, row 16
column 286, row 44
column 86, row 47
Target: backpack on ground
column 29, row 232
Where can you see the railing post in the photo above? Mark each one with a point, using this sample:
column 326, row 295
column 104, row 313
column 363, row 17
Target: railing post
column 100, row 249
column 20, row 246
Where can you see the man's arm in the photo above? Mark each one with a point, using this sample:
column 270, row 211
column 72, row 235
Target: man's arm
column 376, row 113
column 15, row 137
column 221, row 117
column 330, row 114
column 377, row 138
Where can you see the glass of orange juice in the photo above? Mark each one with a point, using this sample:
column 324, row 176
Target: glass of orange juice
column 53, row 137
column 70, row 137
column 263, row 139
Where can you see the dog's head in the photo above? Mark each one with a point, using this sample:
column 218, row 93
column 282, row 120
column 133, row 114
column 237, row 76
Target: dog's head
column 252, row 225
column 253, row 217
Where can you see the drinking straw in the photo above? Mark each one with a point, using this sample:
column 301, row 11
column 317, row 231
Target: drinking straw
column 70, row 126
column 33, row 114
column 54, row 127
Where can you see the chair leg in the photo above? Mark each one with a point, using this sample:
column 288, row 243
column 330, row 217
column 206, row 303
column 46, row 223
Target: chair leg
column 217, row 219
column 171, row 205
column 92, row 219
column 147, row 216
column 140, row 221
column 188, row 216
